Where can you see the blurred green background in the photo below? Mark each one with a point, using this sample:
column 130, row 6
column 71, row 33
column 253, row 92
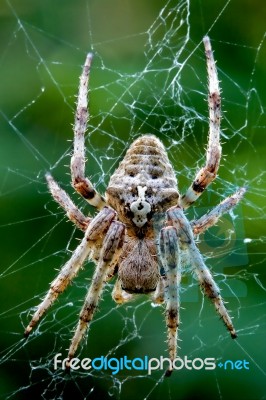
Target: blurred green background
column 149, row 75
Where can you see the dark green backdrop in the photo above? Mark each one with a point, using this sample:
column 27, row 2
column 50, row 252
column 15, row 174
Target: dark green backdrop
column 42, row 48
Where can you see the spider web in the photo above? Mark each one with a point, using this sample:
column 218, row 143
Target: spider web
column 148, row 76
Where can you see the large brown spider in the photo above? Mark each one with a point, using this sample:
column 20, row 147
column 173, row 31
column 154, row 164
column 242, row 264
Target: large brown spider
column 122, row 239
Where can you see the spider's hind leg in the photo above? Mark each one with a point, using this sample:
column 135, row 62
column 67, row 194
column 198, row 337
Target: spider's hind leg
column 206, row 175
column 79, row 181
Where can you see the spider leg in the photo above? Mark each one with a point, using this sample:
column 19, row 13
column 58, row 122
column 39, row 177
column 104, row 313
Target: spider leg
column 62, row 198
column 169, row 251
column 80, row 183
column 211, row 218
column 111, row 249
column 92, row 238
column 207, row 174
column 187, row 244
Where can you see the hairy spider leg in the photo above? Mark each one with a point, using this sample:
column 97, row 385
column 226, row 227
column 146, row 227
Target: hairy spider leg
column 187, row 244
column 63, row 199
column 169, row 252
column 110, row 252
column 80, row 183
column 207, row 174
column 92, row 239
column 211, row 218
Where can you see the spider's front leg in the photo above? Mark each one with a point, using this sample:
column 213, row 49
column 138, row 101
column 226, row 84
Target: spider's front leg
column 187, row 244
column 170, row 259
column 91, row 241
column 109, row 255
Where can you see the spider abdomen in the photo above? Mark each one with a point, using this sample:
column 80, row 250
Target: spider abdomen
column 144, row 183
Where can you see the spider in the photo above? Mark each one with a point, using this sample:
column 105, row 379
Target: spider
column 123, row 238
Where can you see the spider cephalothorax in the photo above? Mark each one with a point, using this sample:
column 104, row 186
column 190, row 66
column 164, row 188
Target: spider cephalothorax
column 140, row 233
